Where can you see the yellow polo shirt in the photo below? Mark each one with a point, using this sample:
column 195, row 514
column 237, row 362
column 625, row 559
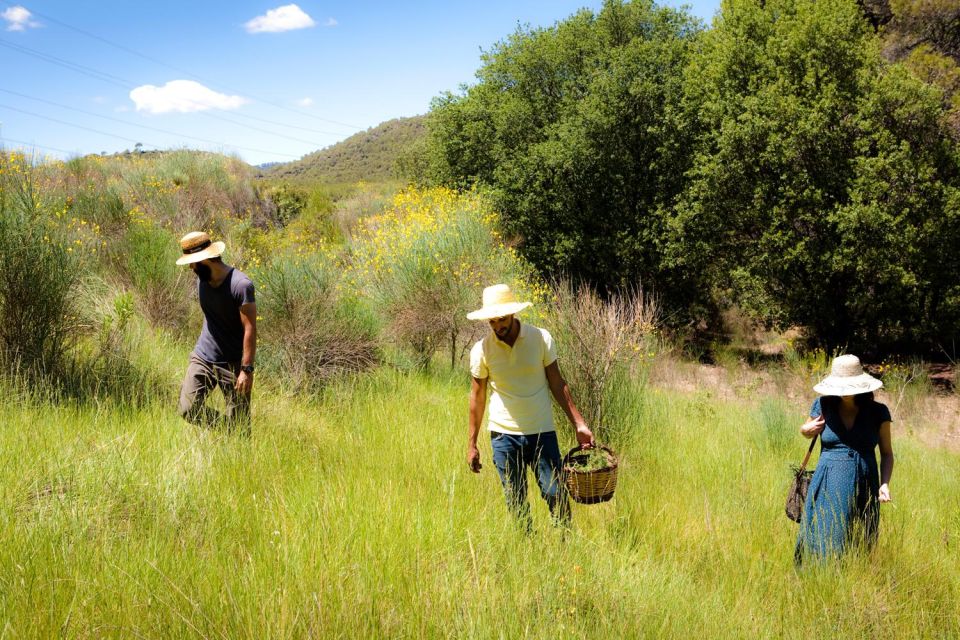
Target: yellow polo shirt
column 519, row 394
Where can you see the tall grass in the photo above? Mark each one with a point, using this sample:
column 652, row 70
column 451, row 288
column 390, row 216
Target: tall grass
column 354, row 516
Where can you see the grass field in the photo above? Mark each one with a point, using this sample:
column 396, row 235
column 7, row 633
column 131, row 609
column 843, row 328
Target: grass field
column 353, row 515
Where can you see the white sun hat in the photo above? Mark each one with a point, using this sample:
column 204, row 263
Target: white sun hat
column 196, row 246
column 847, row 378
column 498, row 301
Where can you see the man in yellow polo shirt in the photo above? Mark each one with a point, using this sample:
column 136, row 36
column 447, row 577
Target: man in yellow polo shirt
column 518, row 362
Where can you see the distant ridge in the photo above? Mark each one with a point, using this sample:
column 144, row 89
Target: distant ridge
column 370, row 155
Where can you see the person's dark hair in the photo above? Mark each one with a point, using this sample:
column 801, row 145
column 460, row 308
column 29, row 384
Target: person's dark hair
column 833, row 402
column 216, row 259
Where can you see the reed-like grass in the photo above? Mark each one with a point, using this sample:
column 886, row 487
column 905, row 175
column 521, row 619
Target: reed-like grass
column 354, row 516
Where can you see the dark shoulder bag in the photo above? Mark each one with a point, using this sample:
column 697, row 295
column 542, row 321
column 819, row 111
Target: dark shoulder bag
column 797, row 494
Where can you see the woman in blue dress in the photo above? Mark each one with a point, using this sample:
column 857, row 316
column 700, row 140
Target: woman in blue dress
column 843, row 501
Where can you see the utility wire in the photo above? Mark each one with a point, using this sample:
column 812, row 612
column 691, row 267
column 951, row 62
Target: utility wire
column 253, row 128
column 132, row 124
column 178, row 70
column 72, row 66
column 113, row 135
column 78, row 126
column 35, row 146
column 283, row 124
column 129, row 86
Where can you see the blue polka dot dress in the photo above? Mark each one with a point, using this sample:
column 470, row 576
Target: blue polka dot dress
column 842, row 505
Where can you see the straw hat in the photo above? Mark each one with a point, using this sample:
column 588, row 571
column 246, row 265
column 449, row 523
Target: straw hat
column 847, row 378
column 196, row 246
column 498, row 301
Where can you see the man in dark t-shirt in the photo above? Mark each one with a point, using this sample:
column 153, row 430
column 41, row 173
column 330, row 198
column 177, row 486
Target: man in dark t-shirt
column 223, row 356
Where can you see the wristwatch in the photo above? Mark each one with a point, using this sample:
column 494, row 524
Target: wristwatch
column 246, row 368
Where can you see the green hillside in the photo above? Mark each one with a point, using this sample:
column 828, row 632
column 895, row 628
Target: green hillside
column 369, row 155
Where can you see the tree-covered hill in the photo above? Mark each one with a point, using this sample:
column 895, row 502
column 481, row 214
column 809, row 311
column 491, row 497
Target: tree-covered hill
column 370, row 155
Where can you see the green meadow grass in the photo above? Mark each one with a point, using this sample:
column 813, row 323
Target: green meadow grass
column 353, row 515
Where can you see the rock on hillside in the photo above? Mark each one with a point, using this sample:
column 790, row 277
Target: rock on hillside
column 369, row 155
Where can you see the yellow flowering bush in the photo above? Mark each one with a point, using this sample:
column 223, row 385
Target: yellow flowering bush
column 39, row 269
column 423, row 264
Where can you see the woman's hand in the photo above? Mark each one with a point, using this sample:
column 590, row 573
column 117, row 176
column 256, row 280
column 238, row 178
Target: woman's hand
column 884, row 493
column 812, row 427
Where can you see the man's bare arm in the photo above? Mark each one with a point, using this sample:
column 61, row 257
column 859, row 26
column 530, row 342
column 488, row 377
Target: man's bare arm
column 248, row 318
column 478, row 402
column 561, row 393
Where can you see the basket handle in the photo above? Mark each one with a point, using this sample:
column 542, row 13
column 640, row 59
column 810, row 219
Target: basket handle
column 806, row 458
column 580, row 448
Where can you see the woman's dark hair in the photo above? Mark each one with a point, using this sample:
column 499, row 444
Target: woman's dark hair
column 833, row 402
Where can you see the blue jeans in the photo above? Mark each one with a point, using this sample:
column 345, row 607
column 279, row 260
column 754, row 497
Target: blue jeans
column 512, row 454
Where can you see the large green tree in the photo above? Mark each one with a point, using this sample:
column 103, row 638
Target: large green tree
column 777, row 161
column 824, row 190
column 576, row 131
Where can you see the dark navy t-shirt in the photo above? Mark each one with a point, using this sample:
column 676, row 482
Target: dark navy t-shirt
column 221, row 339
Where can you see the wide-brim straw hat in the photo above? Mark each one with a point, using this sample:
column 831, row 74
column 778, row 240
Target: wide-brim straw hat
column 847, row 378
column 196, row 246
column 498, row 301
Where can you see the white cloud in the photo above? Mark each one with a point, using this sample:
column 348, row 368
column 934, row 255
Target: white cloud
column 285, row 18
column 182, row 96
column 19, row 18
column 331, row 22
column 305, row 102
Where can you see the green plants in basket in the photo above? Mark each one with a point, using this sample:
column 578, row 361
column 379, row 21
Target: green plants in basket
column 590, row 475
column 591, row 460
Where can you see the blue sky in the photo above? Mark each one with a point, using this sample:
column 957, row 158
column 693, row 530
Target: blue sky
column 268, row 81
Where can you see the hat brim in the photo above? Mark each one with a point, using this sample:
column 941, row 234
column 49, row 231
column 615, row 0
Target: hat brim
column 215, row 250
column 844, row 386
column 498, row 310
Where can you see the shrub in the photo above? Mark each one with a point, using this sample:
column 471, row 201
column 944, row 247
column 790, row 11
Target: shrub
column 577, row 129
column 821, row 174
column 39, row 269
column 163, row 289
column 187, row 190
column 359, row 206
column 103, row 366
column 289, row 201
column 597, row 342
column 311, row 333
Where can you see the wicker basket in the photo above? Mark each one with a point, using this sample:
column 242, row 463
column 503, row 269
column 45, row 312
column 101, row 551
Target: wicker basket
column 590, row 487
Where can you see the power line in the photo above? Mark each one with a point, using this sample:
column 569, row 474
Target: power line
column 133, row 124
column 72, row 66
column 129, row 86
column 283, row 124
column 34, row 145
column 252, row 128
column 178, row 70
column 113, row 135
column 78, row 126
